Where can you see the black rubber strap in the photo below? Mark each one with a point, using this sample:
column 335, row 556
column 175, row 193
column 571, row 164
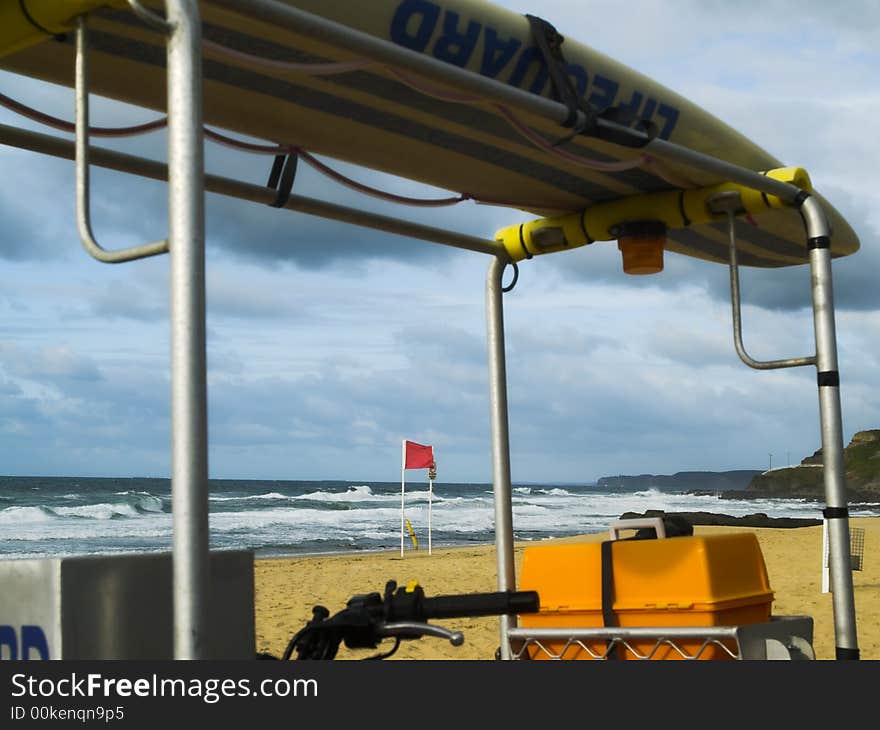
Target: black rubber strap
column 549, row 42
column 835, row 513
column 841, row 653
column 30, row 19
column 626, row 118
column 819, row 242
column 522, row 242
column 281, row 178
column 512, row 284
column 624, row 125
column 587, row 235
column 608, row 616
column 764, row 195
column 617, row 133
column 828, row 378
column 684, row 217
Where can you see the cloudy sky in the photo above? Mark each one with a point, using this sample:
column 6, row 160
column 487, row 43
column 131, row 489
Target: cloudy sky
column 321, row 362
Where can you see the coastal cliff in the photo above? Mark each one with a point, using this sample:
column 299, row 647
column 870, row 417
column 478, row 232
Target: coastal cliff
column 861, row 459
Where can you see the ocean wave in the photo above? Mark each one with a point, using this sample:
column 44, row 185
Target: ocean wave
column 91, row 532
column 97, row 511
column 527, row 510
column 137, row 505
column 550, row 492
column 651, row 492
column 269, row 496
column 353, row 494
column 332, row 516
column 12, row 515
column 143, row 501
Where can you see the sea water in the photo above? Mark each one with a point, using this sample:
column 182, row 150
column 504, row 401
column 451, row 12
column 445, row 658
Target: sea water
column 56, row 516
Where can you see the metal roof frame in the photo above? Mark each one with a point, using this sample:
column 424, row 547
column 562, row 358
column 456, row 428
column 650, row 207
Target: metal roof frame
column 186, row 248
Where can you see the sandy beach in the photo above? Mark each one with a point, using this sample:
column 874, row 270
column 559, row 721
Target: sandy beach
column 287, row 589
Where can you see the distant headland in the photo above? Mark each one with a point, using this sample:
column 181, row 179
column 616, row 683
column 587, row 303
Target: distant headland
column 685, row 481
column 861, row 460
column 861, row 464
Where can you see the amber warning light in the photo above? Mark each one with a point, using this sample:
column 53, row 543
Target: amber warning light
column 641, row 244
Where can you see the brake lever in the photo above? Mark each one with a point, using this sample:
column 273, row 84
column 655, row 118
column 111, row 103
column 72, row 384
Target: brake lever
column 415, row 630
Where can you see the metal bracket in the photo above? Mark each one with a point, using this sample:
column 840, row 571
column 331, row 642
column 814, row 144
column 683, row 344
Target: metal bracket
column 83, row 217
column 730, row 203
column 149, row 17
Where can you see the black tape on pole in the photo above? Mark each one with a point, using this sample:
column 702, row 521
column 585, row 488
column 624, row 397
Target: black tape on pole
column 800, row 198
column 828, row 378
column 835, row 513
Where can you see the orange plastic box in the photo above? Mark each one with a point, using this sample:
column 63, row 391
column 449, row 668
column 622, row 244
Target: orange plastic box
column 712, row 580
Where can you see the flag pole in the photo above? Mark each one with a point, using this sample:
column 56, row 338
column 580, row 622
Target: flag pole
column 402, row 488
column 432, row 475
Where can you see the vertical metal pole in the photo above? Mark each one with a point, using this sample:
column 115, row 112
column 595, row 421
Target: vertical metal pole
column 826, row 585
column 402, row 489
column 186, row 214
column 836, row 513
column 430, row 505
column 500, row 443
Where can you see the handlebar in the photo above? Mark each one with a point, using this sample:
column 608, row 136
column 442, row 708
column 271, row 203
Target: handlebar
column 481, row 604
column 401, row 613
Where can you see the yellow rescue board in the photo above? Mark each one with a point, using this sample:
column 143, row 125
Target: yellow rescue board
column 373, row 116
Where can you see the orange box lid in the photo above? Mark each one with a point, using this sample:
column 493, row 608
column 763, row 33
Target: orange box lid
column 698, row 572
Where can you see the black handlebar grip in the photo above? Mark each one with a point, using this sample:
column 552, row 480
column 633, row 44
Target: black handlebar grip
column 480, row 604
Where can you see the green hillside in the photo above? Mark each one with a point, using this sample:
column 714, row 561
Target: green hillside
column 861, row 460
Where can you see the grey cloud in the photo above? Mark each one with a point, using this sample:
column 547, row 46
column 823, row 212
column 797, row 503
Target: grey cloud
column 115, row 424
column 860, row 17
column 36, row 197
column 440, row 340
column 347, row 421
column 129, row 299
column 58, row 363
column 8, row 388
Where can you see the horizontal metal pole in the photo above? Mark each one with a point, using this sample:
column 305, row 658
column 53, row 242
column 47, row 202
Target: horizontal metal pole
column 385, row 52
column 725, row 171
column 58, row 147
column 611, row 632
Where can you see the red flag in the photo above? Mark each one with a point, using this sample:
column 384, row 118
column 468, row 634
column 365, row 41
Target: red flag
column 418, row 456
